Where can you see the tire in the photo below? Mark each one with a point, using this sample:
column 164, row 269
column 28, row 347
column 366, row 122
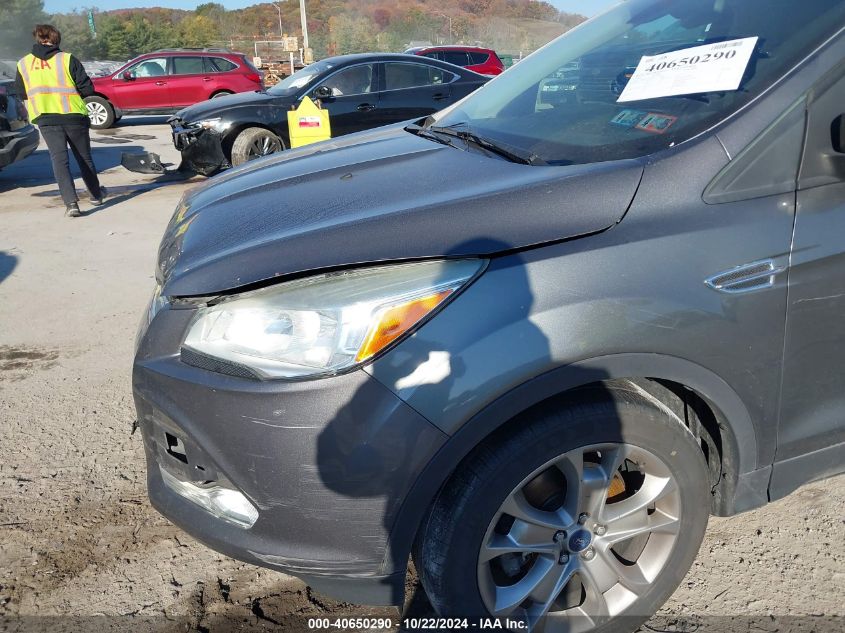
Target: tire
column 592, row 578
column 254, row 142
column 222, row 93
column 100, row 112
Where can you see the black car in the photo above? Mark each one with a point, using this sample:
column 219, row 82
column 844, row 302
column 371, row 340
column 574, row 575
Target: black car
column 18, row 138
column 360, row 92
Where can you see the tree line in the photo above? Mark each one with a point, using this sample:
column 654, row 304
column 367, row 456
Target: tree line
column 335, row 26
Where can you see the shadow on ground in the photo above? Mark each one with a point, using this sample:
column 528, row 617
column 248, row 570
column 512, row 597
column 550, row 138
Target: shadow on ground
column 131, row 121
column 36, row 169
column 121, row 193
column 8, row 263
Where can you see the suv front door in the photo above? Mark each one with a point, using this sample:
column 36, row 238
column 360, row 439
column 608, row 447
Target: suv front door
column 146, row 88
column 812, row 422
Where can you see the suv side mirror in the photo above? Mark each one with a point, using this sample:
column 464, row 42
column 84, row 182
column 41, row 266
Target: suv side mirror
column 128, row 76
column 322, row 92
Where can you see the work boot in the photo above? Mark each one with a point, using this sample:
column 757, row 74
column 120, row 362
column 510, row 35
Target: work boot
column 98, row 201
column 72, row 210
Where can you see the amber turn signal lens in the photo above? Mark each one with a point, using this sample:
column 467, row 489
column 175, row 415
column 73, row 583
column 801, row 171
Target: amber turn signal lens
column 395, row 321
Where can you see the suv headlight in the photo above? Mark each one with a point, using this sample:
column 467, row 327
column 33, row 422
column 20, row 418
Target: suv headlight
column 324, row 324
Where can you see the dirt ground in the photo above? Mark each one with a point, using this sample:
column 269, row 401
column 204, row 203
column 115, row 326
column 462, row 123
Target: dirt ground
column 80, row 547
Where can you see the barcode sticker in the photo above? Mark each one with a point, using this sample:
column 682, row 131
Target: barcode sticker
column 709, row 68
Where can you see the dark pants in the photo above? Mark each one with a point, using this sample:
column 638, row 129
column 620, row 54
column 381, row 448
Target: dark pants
column 58, row 137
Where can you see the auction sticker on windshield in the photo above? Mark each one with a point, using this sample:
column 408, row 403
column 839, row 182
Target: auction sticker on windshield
column 709, row 68
column 628, row 118
column 656, row 123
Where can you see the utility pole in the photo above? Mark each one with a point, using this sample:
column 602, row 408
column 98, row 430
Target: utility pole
column 304, row 24
column 279, row 9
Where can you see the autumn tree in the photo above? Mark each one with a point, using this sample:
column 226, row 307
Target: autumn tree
column 335, row 26
column 351, row 34
column 17, row 19
column 76, row 34
column 112, row 39
column 198, row 30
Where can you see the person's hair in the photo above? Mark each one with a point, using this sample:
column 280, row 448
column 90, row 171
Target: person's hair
column 47, row 34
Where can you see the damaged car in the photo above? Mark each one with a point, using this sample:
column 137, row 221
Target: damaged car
column 359, row 91
column 531, row 345
column 18, row 137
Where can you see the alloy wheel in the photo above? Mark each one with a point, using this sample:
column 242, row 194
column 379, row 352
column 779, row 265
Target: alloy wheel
column 263, row 145
column 580, row 539
column 97, row 113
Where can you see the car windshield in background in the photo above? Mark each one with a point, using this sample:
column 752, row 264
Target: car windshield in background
column 624, row 84
column 300, row 78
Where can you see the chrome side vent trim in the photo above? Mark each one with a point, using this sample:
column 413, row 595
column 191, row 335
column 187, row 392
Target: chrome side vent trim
column 746, row 278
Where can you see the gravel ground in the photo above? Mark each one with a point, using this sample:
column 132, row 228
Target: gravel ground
column 80, row 547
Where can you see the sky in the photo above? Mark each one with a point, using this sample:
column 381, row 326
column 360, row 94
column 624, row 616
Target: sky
column 585, row 7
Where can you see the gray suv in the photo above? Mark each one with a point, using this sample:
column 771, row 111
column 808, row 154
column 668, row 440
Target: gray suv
column 531, row 344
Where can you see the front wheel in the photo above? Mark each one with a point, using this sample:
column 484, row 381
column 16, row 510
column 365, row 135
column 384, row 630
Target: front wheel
column 254, row 142
column 100, row 112
column 585, row 517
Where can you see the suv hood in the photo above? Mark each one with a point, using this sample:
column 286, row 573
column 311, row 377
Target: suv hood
column 377, row 196
column 221, row 105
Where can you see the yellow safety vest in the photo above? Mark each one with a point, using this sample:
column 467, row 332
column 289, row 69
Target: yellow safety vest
column 49, row 86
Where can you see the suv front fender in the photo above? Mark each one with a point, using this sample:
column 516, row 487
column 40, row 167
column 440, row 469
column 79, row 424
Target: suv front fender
column 747, row 486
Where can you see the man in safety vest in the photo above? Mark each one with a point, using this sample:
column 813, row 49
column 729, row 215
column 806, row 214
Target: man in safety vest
column 54, row 85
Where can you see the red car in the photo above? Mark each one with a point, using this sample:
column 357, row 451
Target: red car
column 166, row 81
column 480, row 60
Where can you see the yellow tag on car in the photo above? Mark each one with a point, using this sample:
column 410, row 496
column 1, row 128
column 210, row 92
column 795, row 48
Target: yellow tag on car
column 308, row 124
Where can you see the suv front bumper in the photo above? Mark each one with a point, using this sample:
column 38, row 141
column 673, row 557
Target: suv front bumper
column 327, row 463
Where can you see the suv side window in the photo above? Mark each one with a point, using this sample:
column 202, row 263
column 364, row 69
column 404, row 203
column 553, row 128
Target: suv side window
column 434, row 55
column 399, row 75
column 153, row 67
column 355, row 80
column 459, row 58
column 823, row 162
column 219, row 65
column 479, row 58
column 187, row 66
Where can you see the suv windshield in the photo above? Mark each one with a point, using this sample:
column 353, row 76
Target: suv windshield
column 300, row 78
column 567, row 103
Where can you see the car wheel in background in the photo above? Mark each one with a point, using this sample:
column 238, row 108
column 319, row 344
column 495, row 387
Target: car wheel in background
column 254, row 142
column 584, row 515
column 222, row 93
column 100, row 112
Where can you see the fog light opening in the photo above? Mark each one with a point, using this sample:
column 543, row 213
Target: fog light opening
column 226, row 504
column 175, row 448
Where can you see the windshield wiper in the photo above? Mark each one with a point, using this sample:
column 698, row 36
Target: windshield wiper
column 423, row 132
column 511, row 153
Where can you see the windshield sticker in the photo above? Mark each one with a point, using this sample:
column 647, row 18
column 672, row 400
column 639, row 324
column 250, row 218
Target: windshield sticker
column 656, row 123
column 628, row 118
column 709, row 68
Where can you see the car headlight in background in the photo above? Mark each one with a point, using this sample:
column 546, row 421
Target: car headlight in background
column 327, row 323
column 213, row 124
